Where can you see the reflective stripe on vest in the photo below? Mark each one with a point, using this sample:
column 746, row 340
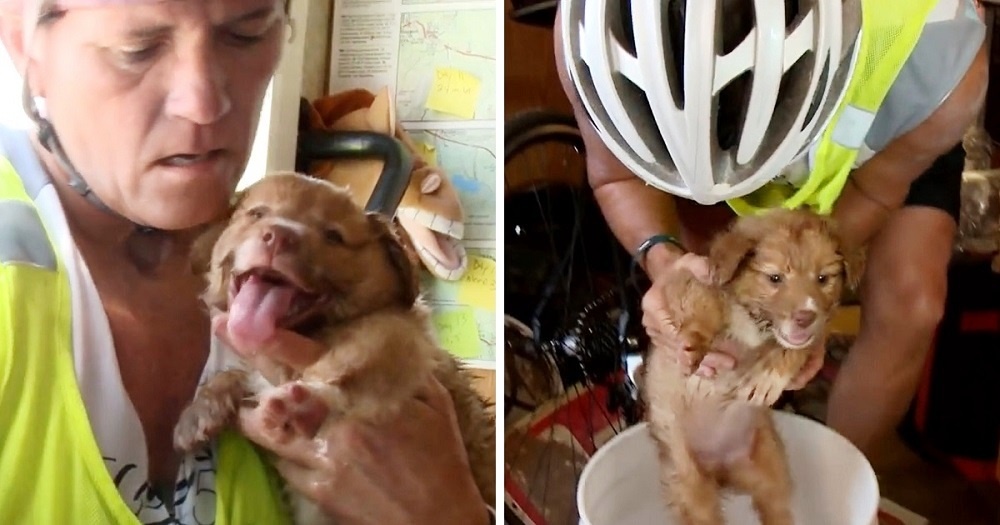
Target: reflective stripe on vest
column 23, row 239
column 51, row 467
column 890, row 30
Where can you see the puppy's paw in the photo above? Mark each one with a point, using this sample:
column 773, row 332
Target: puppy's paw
column 202, row 421
column 213, row 409
column 290, row 411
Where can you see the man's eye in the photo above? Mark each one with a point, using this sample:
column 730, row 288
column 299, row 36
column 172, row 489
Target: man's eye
column 139, row 54
column 246, row 34
column 240, row 39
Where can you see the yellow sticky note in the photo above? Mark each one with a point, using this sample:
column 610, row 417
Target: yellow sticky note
column 455, row 92
column 478, row 287
column 429, row 153
column 458, row 333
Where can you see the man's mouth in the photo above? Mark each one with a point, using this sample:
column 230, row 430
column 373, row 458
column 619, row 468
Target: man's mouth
column 189, row 159
column 263, row 299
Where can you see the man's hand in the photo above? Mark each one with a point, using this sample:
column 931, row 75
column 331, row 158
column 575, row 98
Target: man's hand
column 412, row 470
column 817, row 355
column 663, row 333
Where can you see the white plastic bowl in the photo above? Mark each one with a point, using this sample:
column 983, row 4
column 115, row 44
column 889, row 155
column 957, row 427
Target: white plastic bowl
column 833, row 482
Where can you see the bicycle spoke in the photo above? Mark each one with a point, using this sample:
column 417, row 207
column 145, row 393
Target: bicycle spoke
column 572, row 295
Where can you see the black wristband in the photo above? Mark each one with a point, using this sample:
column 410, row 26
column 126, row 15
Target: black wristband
column 640, row 253
column 660, row 238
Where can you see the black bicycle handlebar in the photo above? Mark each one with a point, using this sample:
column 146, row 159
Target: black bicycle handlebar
column 316, row 146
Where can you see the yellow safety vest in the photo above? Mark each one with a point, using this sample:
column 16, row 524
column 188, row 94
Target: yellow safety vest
column 51, row 468
column 889, row 32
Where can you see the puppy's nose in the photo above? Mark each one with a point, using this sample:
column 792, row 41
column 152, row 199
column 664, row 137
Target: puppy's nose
column 804, row 318
column 279, row 238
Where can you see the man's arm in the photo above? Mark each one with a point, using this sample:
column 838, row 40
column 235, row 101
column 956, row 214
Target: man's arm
column 881, row 184
column 633, row 210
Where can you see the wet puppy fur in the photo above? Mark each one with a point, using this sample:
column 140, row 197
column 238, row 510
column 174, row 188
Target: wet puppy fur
column 357, row 293
column 777, row 279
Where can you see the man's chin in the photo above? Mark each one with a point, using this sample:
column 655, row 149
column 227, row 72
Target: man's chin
column 178, row 211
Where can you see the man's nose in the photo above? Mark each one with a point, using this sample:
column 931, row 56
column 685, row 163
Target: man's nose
column 279, row 238
column 198, row 88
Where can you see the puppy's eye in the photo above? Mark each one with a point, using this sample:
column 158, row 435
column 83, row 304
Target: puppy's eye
column 257, row 212
column 823, row 279
column 774, row 278
column 333, row 236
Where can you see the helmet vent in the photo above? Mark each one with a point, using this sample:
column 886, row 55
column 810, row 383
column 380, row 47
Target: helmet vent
column 818, row 95
column 625, row 33
column 736, row 21
column 673, row 43
column 732, row 109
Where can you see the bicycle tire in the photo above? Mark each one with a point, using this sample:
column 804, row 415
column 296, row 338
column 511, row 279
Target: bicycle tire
column 537, row 13
column 580, row 371
column 536, row 125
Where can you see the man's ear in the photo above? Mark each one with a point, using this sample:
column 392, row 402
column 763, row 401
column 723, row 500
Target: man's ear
column 729, row 251
column 12, row 33
column 19, row 40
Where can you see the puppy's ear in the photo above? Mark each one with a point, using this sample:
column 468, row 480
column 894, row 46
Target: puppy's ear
column 203, row 251
column 854, row 266
column 207, row 247
column 388, row 237
column 729, row 251
column 853, row 256
column 204, row 245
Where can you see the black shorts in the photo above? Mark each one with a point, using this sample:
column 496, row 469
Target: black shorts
column 941, row 185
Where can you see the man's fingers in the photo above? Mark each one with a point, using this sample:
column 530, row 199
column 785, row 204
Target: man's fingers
column 435, row 395
column 697, row 265
column 315, row 485
column 729, row 347
column 338, row 489
column 809, row 370
column 719, row 361
column 662, row 329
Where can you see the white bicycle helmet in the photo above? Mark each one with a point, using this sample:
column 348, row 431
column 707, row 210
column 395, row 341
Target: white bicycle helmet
column 707, row 99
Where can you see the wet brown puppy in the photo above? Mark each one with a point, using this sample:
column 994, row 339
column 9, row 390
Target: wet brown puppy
column 298, row 254
column 777, row 280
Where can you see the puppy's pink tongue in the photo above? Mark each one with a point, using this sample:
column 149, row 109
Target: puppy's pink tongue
column 798, row 336
column 254, row 312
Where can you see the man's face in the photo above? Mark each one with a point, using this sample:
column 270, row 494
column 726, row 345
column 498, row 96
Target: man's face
column 156, row 103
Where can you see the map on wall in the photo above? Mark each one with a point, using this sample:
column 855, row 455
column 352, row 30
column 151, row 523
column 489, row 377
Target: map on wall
column 438, row 58
column 460, row 45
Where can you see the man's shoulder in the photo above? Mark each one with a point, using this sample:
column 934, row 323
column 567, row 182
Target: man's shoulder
column 946, row 48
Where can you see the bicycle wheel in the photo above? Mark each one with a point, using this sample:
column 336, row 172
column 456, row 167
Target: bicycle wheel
column 538, row 13
column 570, row 320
